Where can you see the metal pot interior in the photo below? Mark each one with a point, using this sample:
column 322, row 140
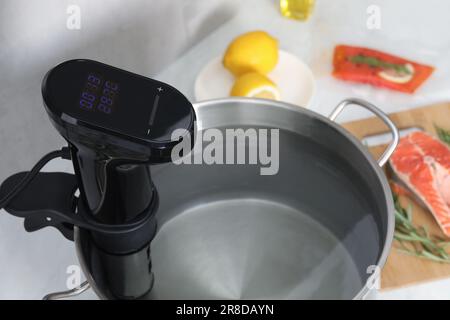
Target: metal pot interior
column 308, row 232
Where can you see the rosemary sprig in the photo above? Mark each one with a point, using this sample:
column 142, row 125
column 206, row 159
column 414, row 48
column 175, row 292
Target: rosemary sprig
column 416, row 241
column 377, row 63
column 444, row 135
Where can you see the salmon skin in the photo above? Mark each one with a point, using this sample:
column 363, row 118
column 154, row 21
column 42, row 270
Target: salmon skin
column 422, row 163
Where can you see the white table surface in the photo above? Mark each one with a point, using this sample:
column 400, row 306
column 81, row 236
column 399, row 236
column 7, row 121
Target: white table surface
column 409, row 28
column 413, row 28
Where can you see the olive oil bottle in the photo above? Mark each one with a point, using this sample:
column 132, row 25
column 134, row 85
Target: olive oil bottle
column 297, row 9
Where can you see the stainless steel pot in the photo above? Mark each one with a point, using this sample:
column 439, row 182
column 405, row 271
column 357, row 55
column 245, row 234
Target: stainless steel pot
column 313, row 230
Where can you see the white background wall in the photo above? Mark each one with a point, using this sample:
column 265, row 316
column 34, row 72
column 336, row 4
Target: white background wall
column 137, row 35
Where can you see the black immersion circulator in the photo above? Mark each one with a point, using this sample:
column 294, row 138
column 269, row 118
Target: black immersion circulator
column 116, row 123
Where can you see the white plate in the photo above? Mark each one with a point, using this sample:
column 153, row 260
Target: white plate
column 292, row 76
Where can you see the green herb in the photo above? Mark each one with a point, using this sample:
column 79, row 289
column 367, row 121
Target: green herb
column 444, row 135
column 417, row 241
column 377, row 63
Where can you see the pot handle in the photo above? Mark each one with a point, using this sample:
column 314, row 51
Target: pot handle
column 380, row 114
column 69, row 293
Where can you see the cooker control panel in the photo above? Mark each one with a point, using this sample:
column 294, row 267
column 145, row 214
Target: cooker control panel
column 120, row 101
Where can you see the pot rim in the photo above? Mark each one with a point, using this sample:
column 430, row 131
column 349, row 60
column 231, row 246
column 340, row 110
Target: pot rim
column 357, row 143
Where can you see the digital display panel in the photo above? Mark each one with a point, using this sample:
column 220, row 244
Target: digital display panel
column 120, row 101
column 98, row 94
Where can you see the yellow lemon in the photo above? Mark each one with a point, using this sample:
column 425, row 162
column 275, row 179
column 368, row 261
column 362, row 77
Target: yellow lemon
column 252, row 51
column 255, row 85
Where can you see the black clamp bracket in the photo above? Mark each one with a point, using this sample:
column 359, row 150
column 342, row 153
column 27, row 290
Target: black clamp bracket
column 49, row 201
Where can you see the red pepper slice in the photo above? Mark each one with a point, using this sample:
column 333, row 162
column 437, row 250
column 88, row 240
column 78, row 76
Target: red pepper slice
column 377, row 68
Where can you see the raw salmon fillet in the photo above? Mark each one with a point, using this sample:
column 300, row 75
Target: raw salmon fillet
column 422, row 162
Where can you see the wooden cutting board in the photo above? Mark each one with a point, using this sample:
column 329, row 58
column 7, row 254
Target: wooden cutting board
column 401, row 269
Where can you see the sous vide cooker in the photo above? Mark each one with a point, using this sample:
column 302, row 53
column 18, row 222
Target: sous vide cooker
column 147, row 228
